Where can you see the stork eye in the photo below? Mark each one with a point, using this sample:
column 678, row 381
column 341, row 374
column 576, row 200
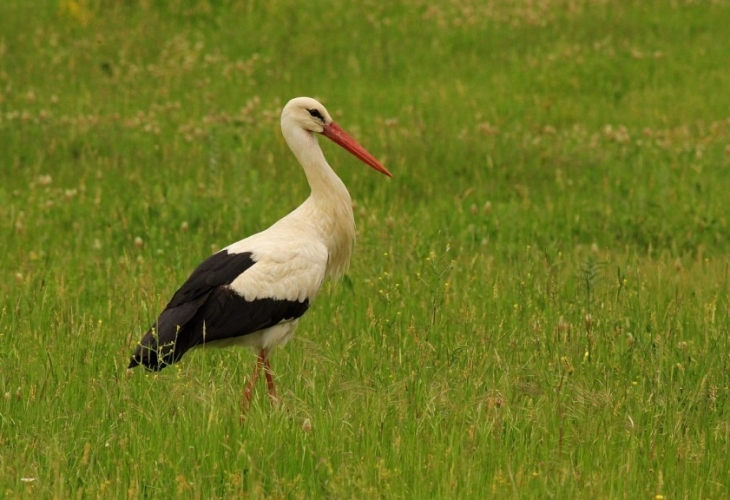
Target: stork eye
column 314, row 113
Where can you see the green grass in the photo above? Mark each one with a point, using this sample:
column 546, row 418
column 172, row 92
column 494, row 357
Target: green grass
column 538, row 302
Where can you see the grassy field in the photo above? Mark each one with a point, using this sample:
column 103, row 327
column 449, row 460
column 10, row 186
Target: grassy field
column 538, row 302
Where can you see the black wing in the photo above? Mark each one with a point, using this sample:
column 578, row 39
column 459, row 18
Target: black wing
column 219, row 269
column 205, row 309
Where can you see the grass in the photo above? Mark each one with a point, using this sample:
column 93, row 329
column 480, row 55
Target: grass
column 538, row 303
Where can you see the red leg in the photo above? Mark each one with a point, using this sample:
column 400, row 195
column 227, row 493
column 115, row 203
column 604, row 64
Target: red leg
column 255, row 376
column 270, row 380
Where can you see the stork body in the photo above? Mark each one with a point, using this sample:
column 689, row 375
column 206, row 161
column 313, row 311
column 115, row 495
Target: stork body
column 253, row 292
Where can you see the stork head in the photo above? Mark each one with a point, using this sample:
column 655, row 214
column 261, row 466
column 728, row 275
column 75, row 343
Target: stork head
column 306, row 113
column 309, row 114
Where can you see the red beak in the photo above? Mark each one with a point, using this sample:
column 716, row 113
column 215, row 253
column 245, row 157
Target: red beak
column 339, row 136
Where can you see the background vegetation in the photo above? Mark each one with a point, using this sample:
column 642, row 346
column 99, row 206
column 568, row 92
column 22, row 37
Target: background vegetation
column 538, row 303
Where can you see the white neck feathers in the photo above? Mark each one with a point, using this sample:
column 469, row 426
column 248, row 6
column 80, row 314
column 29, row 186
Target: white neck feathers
column 328, row 210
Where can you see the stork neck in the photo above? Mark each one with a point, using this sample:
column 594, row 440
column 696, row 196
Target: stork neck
column 323, row 181
column 328, row 210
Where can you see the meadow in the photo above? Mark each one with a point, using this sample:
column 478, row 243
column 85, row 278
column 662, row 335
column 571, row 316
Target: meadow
column 537, row 305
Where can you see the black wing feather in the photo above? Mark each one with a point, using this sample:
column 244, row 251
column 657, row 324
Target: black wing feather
column 206, row 310
column 219, row 269
column 225, row 315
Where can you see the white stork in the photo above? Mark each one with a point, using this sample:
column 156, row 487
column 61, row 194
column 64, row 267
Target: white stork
column 253, row 292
